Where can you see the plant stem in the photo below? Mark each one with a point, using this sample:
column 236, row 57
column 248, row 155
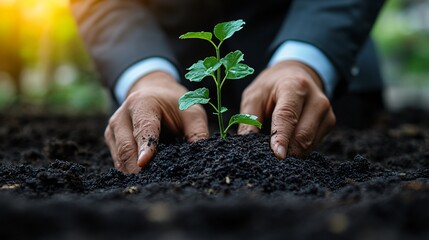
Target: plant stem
column 219, row 97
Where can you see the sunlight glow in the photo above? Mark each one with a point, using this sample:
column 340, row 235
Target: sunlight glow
column 7, row 2
column 37, row 12
column 42, row 12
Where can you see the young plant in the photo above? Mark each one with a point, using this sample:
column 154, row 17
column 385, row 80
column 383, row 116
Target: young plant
column 211, row 67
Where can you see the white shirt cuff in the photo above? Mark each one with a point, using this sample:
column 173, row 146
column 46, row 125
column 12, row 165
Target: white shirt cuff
column 311, row 56
column 138, row 70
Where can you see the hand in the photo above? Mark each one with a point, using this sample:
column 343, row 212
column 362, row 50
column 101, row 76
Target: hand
column 291, row 94
column 133, row 131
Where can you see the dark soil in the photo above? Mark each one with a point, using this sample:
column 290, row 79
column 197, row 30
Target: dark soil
column 57, row 181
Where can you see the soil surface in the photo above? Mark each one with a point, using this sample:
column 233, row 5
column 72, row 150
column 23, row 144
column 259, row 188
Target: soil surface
column 57, row 181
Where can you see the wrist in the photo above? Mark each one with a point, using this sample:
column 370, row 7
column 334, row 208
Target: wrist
column 304, row 68
column 158, row 78
column 311, row 56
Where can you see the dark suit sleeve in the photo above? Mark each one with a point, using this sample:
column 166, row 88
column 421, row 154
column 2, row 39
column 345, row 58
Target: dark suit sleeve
column 119, row 33
column 339, row 28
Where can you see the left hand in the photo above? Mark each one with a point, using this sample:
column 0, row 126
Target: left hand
column 291, row 94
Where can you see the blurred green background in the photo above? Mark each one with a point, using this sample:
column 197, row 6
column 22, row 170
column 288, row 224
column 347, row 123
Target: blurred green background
column 43, row 61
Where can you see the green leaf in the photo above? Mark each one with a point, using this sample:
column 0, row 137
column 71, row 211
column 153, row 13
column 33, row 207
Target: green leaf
column 222, row 110
column 201, row 69
column 239, row 71
column 232, row 59
column 197, row 35
column 225, row 30
column 233, row 68
column 199, row 96
column 211, row 64
column 196, row 72
column 245, row 119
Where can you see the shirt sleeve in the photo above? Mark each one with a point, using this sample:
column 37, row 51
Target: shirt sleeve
column 127, row 79
column 311, row 56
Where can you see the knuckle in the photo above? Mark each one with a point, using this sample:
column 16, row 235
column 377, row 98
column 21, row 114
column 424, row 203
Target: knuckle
column 297, row 85
column 137, row 99
column 132, row 98
column 107, row 134
column 324, row 103
column 145, row 124
column 113, row 121
column 145, row 108
column 286, row 114
column 304, row 139
column 301, row 83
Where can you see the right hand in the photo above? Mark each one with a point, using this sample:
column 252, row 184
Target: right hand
column 290, row 93
column 133, row 131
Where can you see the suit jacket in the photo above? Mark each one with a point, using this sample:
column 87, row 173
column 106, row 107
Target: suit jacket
column 119, row 33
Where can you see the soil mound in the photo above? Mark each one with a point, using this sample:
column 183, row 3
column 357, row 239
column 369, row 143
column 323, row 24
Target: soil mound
column 57, row 181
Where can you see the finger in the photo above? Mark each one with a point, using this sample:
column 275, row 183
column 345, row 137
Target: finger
column 309, row 125
column 125, row 147
column 251, row 104
column 110, row 141
column 285, row 118
column 326, row 126
column 195, row 125
column 146, row 122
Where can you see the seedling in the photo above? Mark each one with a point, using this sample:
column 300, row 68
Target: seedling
column 211, row 67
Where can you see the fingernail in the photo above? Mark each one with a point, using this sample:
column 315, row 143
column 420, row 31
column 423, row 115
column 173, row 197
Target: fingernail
column 142, row 153
column 140, row 159
column 281, row 152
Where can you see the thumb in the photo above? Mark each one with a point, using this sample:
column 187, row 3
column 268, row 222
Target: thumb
column 146, row 132
column 147, row 148
column 285, row 118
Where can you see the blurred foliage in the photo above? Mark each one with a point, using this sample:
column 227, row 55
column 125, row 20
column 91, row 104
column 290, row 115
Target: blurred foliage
column 402, row 34
column 40, row 38
column 81, row 96
column 43, row 59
